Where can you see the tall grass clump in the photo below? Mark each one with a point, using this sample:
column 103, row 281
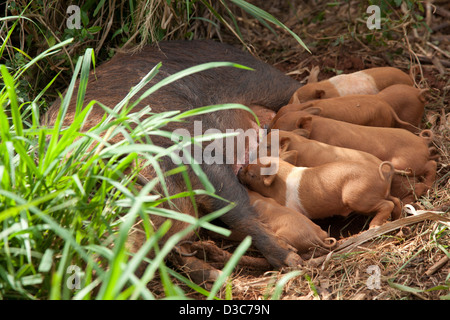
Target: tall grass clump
column 67, row 206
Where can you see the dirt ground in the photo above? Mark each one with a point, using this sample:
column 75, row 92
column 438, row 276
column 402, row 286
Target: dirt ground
column 411, row 260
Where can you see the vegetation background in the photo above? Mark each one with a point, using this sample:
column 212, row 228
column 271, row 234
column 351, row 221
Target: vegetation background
column 64, row 224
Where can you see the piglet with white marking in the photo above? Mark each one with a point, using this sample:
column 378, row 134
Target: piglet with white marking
column 292, row 227
column 336, row 188
column 369, row 81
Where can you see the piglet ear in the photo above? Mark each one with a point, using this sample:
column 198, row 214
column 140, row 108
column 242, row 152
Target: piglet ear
column 294, row 98
column 304, row 106
column 313, row 110
column 289, row 156
column 319, row 94
column 423, row 95
column 314, row 75
column 284, row 143
column 268, row 180
column 301, row 132
column 304, row 123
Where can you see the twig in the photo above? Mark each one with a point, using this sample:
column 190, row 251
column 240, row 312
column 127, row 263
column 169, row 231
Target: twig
column 39, row 17
column 429, row 15
column 425, row 59
column 350, row 244
column 441, row 37
column 437, row 63
column 442, row 12
column 434, row 60
column 437, row 266
column 411, row 52
column 439, row 49
column 108, row 27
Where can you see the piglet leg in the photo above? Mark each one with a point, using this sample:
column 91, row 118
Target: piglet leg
column 383, row 213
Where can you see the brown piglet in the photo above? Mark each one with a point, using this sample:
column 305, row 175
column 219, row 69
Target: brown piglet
column 366, row 110
column 312, row 153
column 408, row 102
column 292, row 227
column 336, row 188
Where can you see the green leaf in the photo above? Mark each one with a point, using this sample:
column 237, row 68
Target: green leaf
column 403, row 287
column 11, row 212
column 82, row 84
column 9, row 84
column 94, row 29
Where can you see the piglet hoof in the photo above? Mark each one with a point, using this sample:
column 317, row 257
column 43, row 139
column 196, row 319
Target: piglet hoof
column 374, row 226
column 283, row 256
column 293, row 260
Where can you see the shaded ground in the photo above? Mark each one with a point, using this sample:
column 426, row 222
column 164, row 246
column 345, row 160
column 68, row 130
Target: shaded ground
column 411, row 260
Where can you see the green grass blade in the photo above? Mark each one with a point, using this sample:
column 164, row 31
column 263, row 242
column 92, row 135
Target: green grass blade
column 9, row 84
column 184, row 73
column 50, row 154
column 282, row 283
column 84, row 76
column 14, row 211
column 229, row 267
column 48, row 52
column 261, row 14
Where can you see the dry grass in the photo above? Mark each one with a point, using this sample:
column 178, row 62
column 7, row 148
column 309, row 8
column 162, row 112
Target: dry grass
column 406, row 262
column 107, row 27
